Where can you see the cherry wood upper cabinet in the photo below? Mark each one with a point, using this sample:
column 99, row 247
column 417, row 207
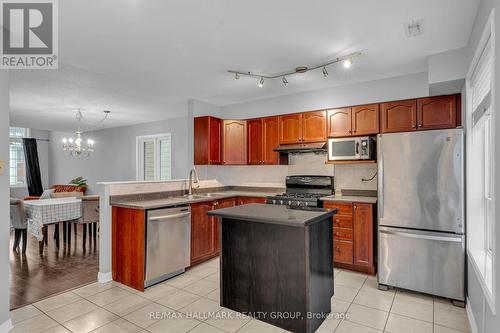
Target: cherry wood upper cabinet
column 363, row 234
column 270, row 140
column 314, row 126
column 234, row 133
column 365, row 119
column 399, row 116
column 255, row 142
column 207, row 140
column 339, row 122
column 290, row 128
column 437, row 112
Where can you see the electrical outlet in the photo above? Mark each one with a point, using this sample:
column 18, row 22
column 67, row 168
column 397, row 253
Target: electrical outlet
column 2, row 168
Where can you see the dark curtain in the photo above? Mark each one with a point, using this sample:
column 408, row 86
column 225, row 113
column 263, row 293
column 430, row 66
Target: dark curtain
column 33, row 177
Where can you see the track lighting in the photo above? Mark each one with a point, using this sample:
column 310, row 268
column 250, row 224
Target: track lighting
column 325, row 72
column 261, row 82
column 348, row 62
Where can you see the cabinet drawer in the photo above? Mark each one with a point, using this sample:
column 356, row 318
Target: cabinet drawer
column 341, row 233
column 342, row 221
column 344, row 209
column 342, row 252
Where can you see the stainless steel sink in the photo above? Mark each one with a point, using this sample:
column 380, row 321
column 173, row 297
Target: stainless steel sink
column 194, row 196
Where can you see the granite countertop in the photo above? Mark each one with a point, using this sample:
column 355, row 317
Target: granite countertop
column 181, row 200
column 274, row 214
column 350, row 198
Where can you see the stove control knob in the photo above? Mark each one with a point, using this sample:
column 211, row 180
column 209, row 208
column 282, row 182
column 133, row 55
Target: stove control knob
column 281, row 202
column 306, row 203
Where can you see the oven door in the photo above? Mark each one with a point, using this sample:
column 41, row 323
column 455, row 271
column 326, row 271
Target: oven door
column 343, row 149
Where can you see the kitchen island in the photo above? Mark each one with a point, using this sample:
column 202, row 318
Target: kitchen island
column 276, row 264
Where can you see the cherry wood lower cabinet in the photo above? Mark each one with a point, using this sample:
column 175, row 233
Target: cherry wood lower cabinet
column 127, row 249
column 249, row 200
column 223, row 203
column 203, row 233
column 353, row 236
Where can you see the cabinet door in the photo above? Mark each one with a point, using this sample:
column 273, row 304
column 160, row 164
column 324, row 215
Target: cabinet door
column 342, row 251
column 234, row 142
column 215, row 141
column 400, row 116
column 314, row 126
column 339, row 122
column 255, row 144
column 363, row 234
column 202, row 231
column 224, row 203
column 290, row 130
column 270, row 138
column 365, row 119
column 437, row 112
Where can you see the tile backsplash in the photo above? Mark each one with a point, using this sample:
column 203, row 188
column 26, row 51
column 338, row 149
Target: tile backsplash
column 346, row 176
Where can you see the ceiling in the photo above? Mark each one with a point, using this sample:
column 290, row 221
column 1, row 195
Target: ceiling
column 143, row 59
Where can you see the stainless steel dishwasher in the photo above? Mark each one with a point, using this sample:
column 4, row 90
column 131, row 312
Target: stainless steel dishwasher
column 168, row 243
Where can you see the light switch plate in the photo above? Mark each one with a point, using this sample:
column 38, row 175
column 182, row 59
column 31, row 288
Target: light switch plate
column 2, row 168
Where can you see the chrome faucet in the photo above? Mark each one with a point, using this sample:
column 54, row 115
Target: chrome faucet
column 191, row 180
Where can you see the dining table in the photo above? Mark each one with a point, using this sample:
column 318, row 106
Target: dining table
column 41, row 213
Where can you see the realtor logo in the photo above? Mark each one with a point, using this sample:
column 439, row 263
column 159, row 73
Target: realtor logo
column 29, row 34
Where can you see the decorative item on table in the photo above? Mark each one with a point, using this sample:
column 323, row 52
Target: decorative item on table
column 80, row 182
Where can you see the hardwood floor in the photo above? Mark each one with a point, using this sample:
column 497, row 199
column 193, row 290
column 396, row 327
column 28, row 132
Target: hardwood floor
column 33, row 277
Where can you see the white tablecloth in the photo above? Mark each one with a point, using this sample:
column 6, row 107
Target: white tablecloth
column 48, row 211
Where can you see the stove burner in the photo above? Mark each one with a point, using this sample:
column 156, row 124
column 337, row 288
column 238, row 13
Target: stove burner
column 303, row 191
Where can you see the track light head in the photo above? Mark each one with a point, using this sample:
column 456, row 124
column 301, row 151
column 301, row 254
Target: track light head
column 285, row 81
column 325, row 72
column 348, row 62
column 261, row 82
column 236, row 76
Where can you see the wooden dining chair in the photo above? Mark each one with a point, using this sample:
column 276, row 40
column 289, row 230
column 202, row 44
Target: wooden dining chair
column 90, row 216
column 19, row 222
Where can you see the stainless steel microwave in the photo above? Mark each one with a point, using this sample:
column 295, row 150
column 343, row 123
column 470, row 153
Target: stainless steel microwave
column 360, row 148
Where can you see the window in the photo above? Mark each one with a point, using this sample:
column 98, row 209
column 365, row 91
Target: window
column 17, row 175
column 480, row 176
column 154, row 157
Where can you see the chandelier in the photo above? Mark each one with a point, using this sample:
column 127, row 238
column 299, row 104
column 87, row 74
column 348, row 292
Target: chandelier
column 75, row 146
column 346, row 61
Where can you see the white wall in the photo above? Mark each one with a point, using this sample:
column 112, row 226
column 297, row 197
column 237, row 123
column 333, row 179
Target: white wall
column 114, row 158
column 4, row 202
column 401, row 87
column 483, row 317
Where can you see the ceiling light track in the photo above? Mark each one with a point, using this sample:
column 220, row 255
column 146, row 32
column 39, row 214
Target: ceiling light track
column 346, row 60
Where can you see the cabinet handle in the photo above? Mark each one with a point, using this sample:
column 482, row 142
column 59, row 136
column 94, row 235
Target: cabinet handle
column 413, row 126
column 419, row 125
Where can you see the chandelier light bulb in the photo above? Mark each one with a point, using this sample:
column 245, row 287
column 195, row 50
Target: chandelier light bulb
column 64, row 140
column 70, row 140
column 285, row 81
column 325, row 72
column 347, row 62
column 261, row 82
column 236, row 76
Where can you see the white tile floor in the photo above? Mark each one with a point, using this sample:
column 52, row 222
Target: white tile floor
column 115, row 308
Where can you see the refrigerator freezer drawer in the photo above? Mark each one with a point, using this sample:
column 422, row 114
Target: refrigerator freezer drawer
column 428, row 262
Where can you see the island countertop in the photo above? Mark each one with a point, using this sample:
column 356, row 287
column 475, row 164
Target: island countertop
column 274, row 214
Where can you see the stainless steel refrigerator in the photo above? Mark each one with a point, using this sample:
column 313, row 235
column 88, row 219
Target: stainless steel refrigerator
column 421, row 229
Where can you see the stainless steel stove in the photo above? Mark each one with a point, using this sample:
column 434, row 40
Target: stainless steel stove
column 304, row 191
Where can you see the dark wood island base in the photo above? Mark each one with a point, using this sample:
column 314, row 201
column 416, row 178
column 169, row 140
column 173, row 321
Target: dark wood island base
column 280, row 272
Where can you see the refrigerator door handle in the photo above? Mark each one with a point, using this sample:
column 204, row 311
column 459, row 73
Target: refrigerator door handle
column 381, row 185
column 454, row 239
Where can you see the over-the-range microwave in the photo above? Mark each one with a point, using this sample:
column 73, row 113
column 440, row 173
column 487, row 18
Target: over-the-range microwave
column 359, row 148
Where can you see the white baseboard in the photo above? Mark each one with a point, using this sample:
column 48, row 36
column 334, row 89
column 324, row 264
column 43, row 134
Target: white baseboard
column 6, row 326
column 104, row 277
column 470, row 316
